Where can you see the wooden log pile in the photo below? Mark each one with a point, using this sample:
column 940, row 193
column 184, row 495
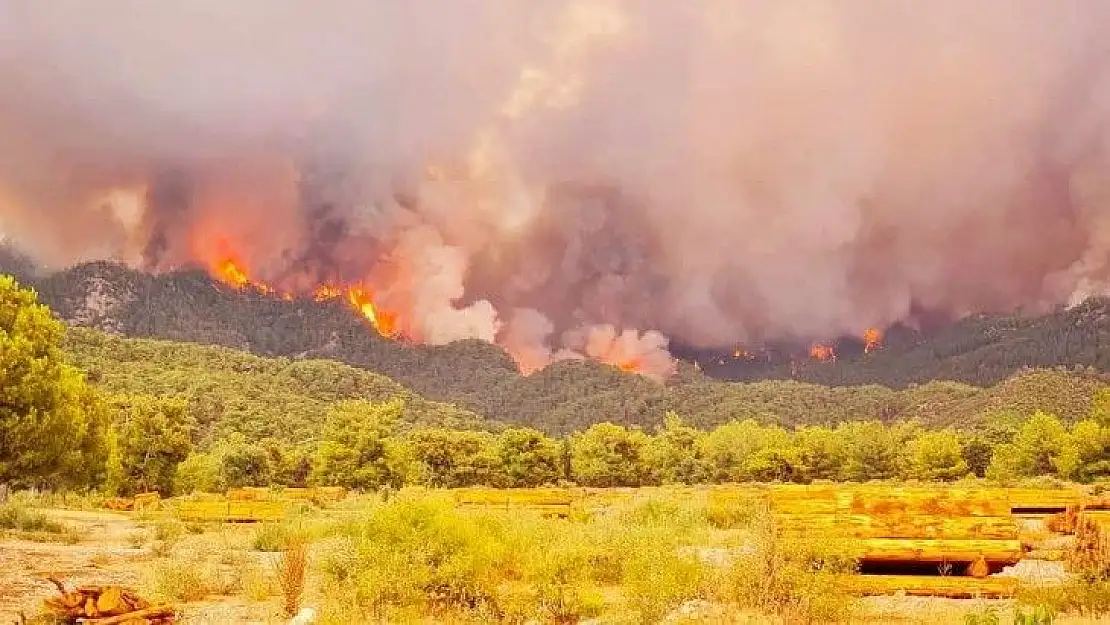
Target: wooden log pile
column 147, row 501
column 969, row 532
column 231, row 511
column 140, row 502
column 121, row 504
column 546, row 501
column 104, row 605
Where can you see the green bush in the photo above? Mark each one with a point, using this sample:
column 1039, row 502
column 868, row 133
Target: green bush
column 17, row 517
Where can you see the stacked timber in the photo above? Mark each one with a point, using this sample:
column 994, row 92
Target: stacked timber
column 104, row 605
column 250, row 493
column 231, row 511
column 328, row 493
column 1042, row 499
column 141, row 502
column 121, row 504
column 966, row 531
column 546, row 501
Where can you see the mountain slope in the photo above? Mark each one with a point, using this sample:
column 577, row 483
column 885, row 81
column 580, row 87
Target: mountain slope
column 479, row 377
column 981, row 350
column 231, row 390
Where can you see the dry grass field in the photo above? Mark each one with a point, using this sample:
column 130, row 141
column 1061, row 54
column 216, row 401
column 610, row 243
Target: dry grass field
column 824, row 553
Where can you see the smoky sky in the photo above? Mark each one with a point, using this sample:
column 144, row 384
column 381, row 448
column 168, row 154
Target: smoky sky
column 720, row 171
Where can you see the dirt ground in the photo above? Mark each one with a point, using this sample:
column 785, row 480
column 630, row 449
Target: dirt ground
column 115, row 549
column 104, row 554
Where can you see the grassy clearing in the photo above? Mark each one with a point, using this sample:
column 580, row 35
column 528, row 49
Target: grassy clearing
column 648, row 556
column 418, row 556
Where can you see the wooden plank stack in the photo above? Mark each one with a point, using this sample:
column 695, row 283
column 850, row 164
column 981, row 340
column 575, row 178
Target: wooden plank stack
column 546, row 501
column 231, row 511
column 963, row 531
column 104, row 605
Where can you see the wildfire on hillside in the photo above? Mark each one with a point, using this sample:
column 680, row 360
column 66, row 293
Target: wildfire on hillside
column 741, row 353
column 361, row 299
column 872, row 339
column 822, row 352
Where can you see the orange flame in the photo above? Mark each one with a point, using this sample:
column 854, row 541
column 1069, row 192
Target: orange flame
column 630, row 366
column 824, row 353
column 873, row 340
column 326, row 292
column 234, row 274
column 740, row 352
column 362, row 300
column 230, row 272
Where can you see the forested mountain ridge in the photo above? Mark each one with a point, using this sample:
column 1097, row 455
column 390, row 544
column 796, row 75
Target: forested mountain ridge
column 979, row 349
column 568, row 396
column 234, row 391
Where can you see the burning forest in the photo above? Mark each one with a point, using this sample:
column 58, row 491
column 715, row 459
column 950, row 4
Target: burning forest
column 574, row 178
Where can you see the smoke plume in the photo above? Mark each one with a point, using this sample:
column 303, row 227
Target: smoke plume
column 576, row 178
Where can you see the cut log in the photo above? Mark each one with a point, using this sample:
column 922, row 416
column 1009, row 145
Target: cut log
column 922, row 501
column 329, row 493
column 1102, row 517
column 978, row 568
column 879, row 500
column 1054, row 555
column 893, row 550
column 930, row 586
column 1045, row 500
column 905, row 526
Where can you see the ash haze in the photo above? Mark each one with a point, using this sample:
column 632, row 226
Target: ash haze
column 576, row 178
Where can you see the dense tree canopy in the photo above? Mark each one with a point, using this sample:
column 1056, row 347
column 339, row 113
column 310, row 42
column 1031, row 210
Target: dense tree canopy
column 52, row 425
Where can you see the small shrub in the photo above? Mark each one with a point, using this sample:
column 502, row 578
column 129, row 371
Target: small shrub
column 1040, row 615
column 14, row 516
column 982, row 616
column 1089, row 558
column 729, row 513
column 137, row 539
column 272, row 537
column 168, row 530
column 180, row 581
column 1076, row 596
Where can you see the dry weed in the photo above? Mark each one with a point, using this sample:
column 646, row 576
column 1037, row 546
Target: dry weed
column 291, row 565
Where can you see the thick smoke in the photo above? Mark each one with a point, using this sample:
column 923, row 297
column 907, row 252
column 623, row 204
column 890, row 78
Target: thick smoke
column 573, row 177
